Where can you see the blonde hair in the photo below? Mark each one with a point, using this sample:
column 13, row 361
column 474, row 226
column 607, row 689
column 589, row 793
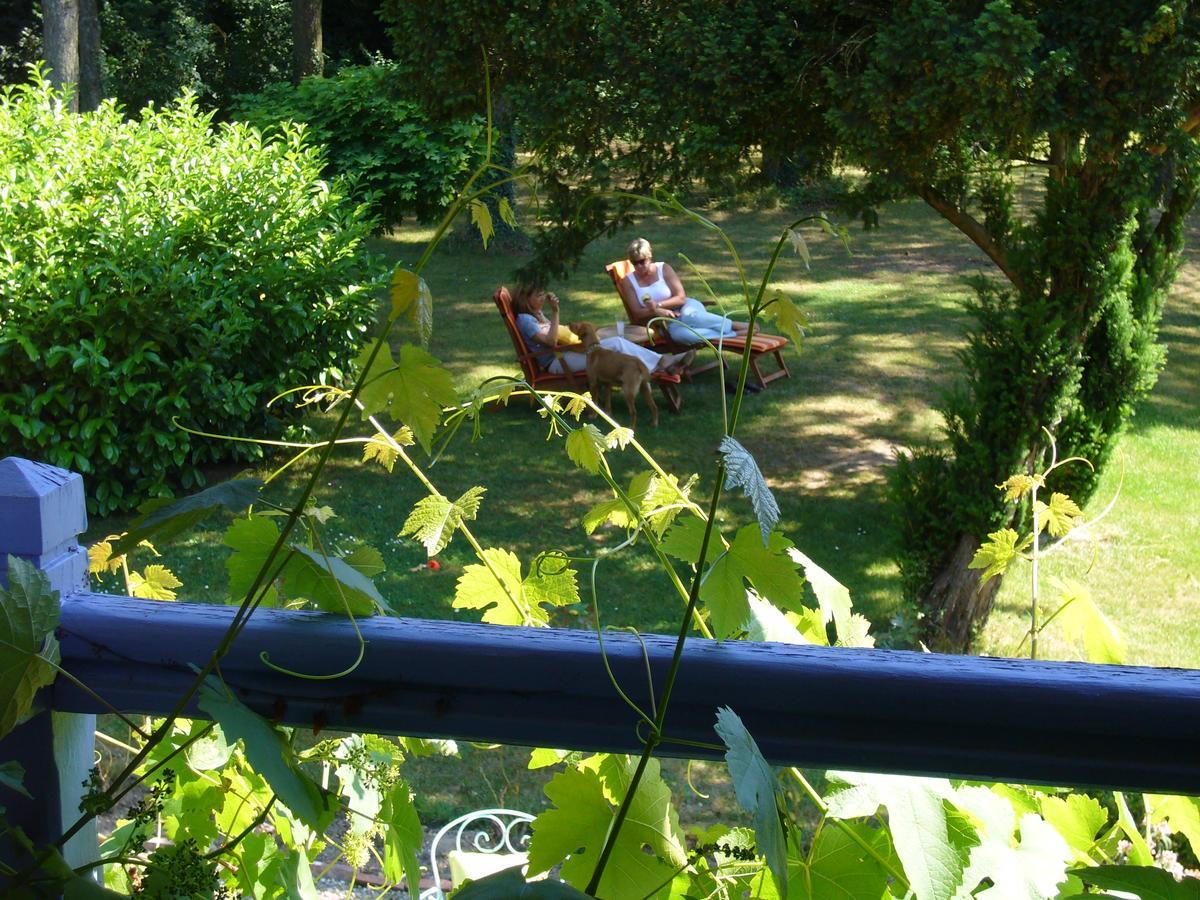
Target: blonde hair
column 639, row 249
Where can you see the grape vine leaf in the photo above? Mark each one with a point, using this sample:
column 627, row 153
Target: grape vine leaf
column 1146, row 882
column 585, row 446
column 742, row 471
column 1084, row 622
column 163, row 519
column 335, row 584
column 481, row 218
column 507, row 216
column 154, row 582
column 509, row 599
column 769, row 569
column 101, row 560
column 1059, row 515
column 658, row 501
column 1031, row 865
column 510, row 885
column 29, row 656
column 768, row 623
column 410, row 296
column 838, row 868
column 789, row 318
column 996, row 554
column 251, row 540
column 1139, row 850
column 585, row 805
column 434, row 519
column 270, row 753
column 413, row 390
column 755, row 785
column 832, row 596
column 1182, row 813
column 1017, row 486
column 403, row 838
column 380, row 449
column 800, row 246
column 933, row 840
column 1078, row 818
column 12, row 776
column 684, row 540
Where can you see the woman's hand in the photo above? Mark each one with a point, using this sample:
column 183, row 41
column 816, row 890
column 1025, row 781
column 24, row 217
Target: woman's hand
column 552, row 303
column 658, row 310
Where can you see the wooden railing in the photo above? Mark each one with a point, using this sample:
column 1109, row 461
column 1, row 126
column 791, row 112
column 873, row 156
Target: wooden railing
column 872, row 710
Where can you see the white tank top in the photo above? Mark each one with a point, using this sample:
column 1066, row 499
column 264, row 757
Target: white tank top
column 658, row 291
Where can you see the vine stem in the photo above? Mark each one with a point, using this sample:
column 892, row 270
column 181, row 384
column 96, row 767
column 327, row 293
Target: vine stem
column 1033, row 606
column 668, row 686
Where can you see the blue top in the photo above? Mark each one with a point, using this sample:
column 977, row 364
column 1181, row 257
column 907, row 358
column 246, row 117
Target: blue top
column 530, row 329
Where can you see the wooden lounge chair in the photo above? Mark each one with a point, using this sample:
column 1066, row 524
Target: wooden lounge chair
column 761, row 345
column 542, row 380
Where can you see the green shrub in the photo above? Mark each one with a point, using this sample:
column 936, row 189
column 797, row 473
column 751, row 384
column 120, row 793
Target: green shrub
column 375, row 137
column 156, row 269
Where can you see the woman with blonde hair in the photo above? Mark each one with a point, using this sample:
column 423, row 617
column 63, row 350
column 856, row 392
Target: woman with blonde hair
column 656, row 290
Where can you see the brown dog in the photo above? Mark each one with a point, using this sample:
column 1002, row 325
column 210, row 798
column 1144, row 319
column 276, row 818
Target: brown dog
column 608, row 367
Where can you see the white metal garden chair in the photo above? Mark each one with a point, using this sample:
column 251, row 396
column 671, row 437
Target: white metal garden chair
column 485, row 841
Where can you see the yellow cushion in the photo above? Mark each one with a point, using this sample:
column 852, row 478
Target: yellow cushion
column 465, row 864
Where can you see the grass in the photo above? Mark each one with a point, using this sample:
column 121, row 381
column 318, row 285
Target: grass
column 887, row 322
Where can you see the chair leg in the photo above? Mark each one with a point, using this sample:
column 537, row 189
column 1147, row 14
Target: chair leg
column 672, row 395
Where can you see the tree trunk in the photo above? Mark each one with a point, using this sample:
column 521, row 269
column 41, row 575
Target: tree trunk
column 308, row 53
column 60, row 37
column 91, row 91
column 965, row 604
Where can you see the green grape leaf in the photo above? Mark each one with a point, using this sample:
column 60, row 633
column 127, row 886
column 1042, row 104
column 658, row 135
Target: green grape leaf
column 684, row 540
column 333, row 583
column 585, row 802
column 403, row 838
column 481, row 218
column 832, row 597
column 789, row 318
column 434, row 519
column 380, row 449
column 1078, row 818
column 12, row 776
column 800, row 246
column 1059, row 515
column 755, row 785
column 498, row 594
column 618, row 438
column 1083, row 621
column 268, row 751
column 251, row 540
column 659, row 502
column 542, row 757
column 1146, row 882
column 410, row 296
column 742, row 471
column 163, row 519
column 585, row 446
column 933, row 841
column 609, row 511
column 29, row 656
column 1017, row 486
column 550, row 581
column 513, row 600
column 414, row 390
column 154, row 582
column 768, row 623
column 295, row 870
column 838, row 868
column 507, row 216
column 996, row 554
column 1032, row 866
column 769, row 569
column 189, row 813
column 209, row 752
column 1182, row 813
column 510, row 885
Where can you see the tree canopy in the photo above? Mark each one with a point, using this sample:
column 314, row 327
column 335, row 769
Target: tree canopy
column 1059, row 137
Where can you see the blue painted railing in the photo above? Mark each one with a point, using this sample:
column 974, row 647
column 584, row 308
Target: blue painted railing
column 873, row 710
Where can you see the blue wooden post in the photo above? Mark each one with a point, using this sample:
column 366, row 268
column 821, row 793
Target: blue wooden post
column 42, row 514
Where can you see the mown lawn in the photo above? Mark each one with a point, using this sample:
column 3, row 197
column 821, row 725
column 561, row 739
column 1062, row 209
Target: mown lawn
column 887, row 322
